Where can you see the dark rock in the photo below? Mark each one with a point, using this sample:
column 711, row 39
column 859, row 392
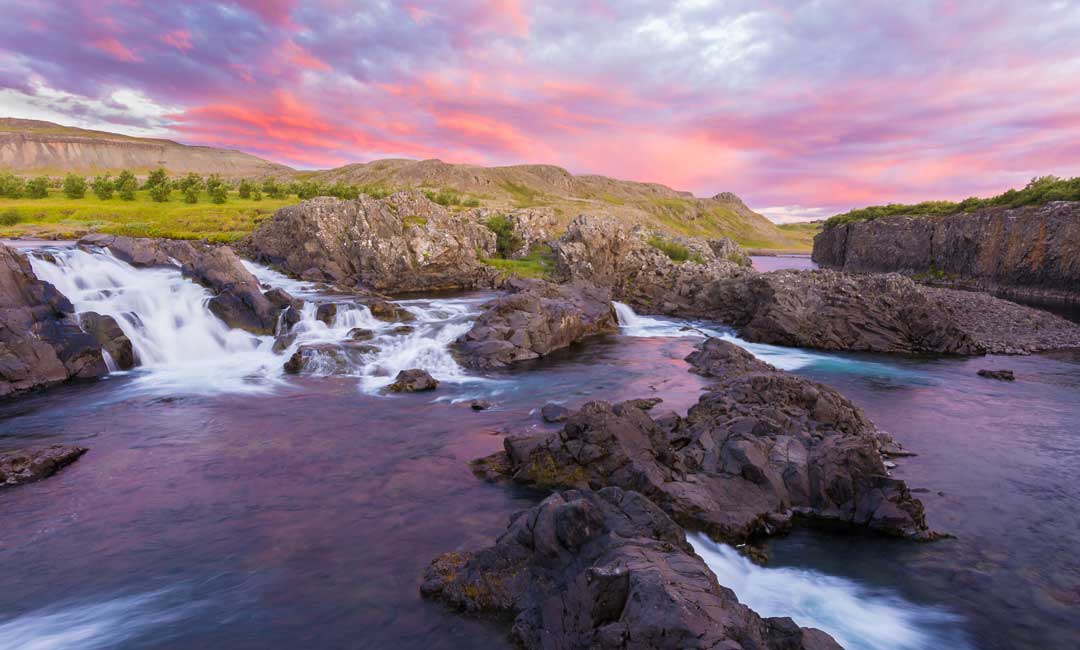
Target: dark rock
column 760, row 447
column 41, row 342
column 361, row 334
column 403, row 329
column 35, row 463
column 401, row 243
column 554, row 413
column 539, row 318
column 326, row 312
column 480, row 404
column 1003, row 375
column 320, row 358
column 111, row 338
column 291, row 316
column 605, row 570
column 283, row 342
column 282, row 299
column 412, row 381
column 1032, row 251
column 387, row 311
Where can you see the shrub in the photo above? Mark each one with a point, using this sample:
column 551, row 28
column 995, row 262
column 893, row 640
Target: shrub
column 191, row 194
column 219, row 193
column 307, row 189
column 272, row 189
column 126, row 185
column 256, row 194
column 213, row 181
column 191, row 181
column 9, row 217
column 156, row 178
column 245, row 189
column 11, row 186
column 160, row 192
column 74, row 186
column 103, row 187
column 675, row 251
column 507, row 242
column 38, row 188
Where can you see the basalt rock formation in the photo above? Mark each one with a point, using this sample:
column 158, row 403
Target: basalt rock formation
column 606, row 570
column 535, row 319
column 239, row 300
column 41, row 342
column 631, row 263
column 110, row 337
column 1029, row 251
column 403, row 243
column 35, row 463
column 760, row 447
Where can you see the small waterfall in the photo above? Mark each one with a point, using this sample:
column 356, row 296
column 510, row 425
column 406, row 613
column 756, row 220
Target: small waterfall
column 183, row 347
column 858, row 617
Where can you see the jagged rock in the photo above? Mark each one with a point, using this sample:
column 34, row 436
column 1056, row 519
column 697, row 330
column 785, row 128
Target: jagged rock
column 387, row 311
column 611, row 253
column 320, row 359
column 326, row 312
column 532, row 226
column 282, row 299
column 759, row 447
column 1032, row 251
column 239, row 300
column 35, row 463
column 535, row 320
column 606, row 570
column 283, row 342
column 554, row 412
column 360, row 334
column 110, row 337
column 413, row 380
column 41, row 342
column 1002, row 375
column 399, row 244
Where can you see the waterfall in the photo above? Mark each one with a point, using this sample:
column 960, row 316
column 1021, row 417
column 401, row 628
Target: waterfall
column 858, row 617
column 183, row 347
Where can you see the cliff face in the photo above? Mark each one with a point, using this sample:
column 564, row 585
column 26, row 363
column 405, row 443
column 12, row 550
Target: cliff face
column 1032, row 251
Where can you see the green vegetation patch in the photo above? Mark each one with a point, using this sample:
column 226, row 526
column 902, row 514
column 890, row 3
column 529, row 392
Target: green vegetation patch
column 507, row 242
column 523, row 196
column 1039, row 191
column 676, row 252
column 538, row 264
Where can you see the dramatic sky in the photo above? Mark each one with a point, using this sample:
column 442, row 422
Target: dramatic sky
column 803, row 107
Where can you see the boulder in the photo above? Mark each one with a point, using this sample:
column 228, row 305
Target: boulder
column 554, row 412
column 35, row 463
column 413, row 380
column 389, row 312
column 238, row 300
column 605, row 569
column 360, row 334
column 321, row 359
column 760, row 447
column 1001, row 375
column 111, row 338
column 633, row 264
column 480, row 405
column 402, row 243
column 326, row 312
column 536, row 319
column 41, row 342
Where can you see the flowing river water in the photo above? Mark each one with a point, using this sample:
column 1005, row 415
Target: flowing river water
column 225, row 504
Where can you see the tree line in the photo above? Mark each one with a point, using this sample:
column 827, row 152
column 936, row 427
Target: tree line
column 190, row 187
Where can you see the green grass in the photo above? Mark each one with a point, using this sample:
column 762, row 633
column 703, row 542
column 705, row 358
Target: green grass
column 1038, row 192
column 523, row 196
column 676, row 252
column 60, row 217
column 537, row 265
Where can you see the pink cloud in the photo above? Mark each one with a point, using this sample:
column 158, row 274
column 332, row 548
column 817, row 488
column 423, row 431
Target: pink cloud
column 115, row 49
column 180, row 39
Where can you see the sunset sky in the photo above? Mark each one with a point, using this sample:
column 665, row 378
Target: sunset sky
column 802, row 108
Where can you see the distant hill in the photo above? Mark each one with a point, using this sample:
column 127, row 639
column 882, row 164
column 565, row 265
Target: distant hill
column 37, row 147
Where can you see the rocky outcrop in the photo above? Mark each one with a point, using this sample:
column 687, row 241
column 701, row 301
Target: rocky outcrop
column 534, row 320
column 111, row 338
column 760, row 447
column 35, row 463
column 632, row 263
column 531, row 226
column 41, row 342
column 399, row 244
column 1029, row 251
column 238, row 301
column 606, row 570
column 413, row 380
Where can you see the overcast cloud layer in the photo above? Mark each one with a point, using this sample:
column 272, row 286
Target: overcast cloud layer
column 802, row 108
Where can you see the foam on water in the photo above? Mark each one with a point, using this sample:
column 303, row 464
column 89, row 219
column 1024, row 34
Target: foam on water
column 93, row 625
column 857, row 616
column 633, row 324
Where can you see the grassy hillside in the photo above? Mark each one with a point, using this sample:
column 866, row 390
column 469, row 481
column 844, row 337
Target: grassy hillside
column 60, row 217
column 1039, row 191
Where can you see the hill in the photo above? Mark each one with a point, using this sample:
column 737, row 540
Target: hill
column 30, row 147
column 37, row 147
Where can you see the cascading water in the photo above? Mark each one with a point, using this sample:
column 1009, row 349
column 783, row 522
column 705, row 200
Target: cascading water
column 858, row 617
column 183, row 347
column 633, row 324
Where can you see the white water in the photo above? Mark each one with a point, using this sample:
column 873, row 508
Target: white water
column 858, row 617
column 633, row 324
column 91, row 626
column 183, row 347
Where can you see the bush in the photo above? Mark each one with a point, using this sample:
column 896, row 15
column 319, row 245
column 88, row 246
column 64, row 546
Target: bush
column 103, row 187
column 676, row 252
column 9, row 217
column 126, row 185
column 38, row 188
column 156, row 178
column 256, row 194
column 74, row 186
column 11, row 186
column 191, row 194
column 160, row 192
column 307, row 189
column 213, row 181
column 191, row 181
column 219, row 194
column 343, row 191
column 272, row 189
column 507, row 242
column 245, row 189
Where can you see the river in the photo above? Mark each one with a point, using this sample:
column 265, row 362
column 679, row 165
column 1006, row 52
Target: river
column 225, row 504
